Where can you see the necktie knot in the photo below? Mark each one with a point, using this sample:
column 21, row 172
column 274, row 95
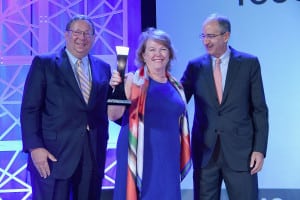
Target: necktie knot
column 218, row 62
column 79, row 62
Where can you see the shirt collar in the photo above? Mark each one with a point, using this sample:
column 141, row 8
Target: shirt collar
column 73, row 59
column 223, row 57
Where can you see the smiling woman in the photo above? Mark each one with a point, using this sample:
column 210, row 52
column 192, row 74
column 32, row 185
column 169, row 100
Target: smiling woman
column 156, row 57
column 149, row 144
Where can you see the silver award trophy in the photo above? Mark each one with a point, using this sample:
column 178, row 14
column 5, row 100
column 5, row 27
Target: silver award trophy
column 118, row 97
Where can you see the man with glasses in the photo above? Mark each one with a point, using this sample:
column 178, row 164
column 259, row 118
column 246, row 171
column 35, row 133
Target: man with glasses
column 64, row 118
column 230, row 128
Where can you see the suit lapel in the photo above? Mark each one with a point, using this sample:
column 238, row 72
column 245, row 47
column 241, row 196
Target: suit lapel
column 93, row 88
column 233, row 68
column 66, row 70
column 208, row 73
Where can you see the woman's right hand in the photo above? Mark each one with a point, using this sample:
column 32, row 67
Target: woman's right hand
column 115, row 79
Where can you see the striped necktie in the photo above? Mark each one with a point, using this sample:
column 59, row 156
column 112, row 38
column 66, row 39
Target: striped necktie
column 218, row 79
column 85, row 84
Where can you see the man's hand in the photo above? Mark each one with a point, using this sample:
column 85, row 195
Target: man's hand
column 257, row 161
column 40, row 158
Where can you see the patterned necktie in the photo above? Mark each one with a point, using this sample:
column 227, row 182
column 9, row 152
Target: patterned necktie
column 218, row 79
column 85, row 84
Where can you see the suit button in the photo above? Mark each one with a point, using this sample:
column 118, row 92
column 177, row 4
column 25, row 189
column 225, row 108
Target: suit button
column 219, row 113
column 219, row 131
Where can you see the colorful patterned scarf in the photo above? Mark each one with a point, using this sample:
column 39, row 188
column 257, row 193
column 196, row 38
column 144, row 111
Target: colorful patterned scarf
column 136, row 133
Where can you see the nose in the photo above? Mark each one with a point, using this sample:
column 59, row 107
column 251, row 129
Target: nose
column 82, row 35
column 159, row 52
column 205, row 40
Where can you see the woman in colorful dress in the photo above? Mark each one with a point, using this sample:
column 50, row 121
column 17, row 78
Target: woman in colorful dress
column 153, row 149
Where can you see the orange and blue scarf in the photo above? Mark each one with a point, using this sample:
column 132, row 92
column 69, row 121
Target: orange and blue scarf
column 136, row 133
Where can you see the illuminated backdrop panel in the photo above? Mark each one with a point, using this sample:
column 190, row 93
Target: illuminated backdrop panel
column 31, row 27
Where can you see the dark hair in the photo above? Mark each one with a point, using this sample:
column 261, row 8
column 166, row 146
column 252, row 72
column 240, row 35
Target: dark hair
column 158, row 36
column 223, row 21
column 80, row 17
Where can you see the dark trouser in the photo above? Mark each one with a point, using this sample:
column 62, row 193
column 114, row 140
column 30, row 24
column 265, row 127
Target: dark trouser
column 84, row 184
column 240, row 185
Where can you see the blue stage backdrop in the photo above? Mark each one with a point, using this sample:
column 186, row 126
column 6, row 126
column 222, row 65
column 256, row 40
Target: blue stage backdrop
column 28, row 28
column 269, row 29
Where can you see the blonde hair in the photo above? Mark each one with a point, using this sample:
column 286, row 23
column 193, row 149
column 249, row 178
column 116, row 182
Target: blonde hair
column 158, row 36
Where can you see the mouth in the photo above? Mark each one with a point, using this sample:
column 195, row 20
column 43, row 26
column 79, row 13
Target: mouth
column 80, row 45
column 157, row 60
column 209, row 47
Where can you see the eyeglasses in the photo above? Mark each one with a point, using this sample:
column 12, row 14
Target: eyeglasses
column 210, row 36
column 79, row 33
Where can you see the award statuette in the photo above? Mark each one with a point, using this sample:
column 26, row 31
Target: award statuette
column 118, row 96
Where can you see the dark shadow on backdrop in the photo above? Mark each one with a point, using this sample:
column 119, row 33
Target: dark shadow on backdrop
column 148, row 13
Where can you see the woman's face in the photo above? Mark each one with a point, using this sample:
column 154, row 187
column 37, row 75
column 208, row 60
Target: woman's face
column 156, row 55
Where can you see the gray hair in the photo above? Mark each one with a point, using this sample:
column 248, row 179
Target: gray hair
column 223, row 22
column 80, row 17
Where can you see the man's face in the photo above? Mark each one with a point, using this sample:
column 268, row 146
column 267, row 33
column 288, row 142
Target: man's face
column 80, row 38
column 214, row 40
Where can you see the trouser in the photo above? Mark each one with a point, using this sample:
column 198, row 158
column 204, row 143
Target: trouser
column 208, row 180
column 84, row 184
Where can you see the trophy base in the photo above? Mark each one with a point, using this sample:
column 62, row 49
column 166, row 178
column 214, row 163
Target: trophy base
column 118, row 102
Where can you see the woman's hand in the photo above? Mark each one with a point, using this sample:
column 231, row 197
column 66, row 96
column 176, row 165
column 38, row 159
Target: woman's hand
column 115, row 79
column 115, row 112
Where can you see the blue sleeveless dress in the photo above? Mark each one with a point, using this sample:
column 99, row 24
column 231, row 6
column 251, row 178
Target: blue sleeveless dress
column 161, row 173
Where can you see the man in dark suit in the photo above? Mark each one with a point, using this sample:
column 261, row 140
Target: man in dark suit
column 64, row 129
column 229, row 134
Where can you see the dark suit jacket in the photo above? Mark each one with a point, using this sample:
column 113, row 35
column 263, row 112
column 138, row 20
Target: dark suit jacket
column 241, row 120
column 54, row 114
